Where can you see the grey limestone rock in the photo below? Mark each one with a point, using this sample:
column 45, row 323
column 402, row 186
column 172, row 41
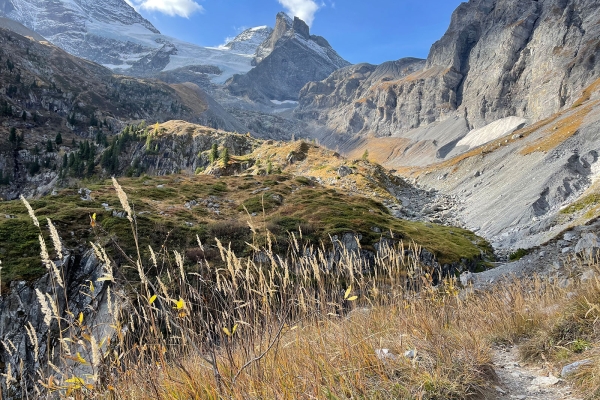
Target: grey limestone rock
column 21, row 307
column 588, row 244
column 498, row 59
column 344, row 171
column 285, row 62
column 574, row 367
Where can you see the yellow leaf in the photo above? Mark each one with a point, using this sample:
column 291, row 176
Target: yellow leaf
column 234, row 329
column 80, row 318
column 94, row 217
column 80, row 359
column 227, row 331
column 92, row 288
column 180, row 304
column 348, row 291
column 152, row 299
column 352, row 298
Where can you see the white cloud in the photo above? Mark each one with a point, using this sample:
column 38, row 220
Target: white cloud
column 181, row 8
column 303, row 9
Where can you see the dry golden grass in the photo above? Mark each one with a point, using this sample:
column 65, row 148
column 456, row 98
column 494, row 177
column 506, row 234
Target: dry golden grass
column 562, row 130
column 588, row 93
column 312, row 324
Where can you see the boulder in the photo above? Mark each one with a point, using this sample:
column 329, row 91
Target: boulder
column 574, row 367
column 344, row 171
column 588, row 245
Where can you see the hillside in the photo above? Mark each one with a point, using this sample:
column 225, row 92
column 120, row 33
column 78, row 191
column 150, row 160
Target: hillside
column 47, row 92
column 548, row 169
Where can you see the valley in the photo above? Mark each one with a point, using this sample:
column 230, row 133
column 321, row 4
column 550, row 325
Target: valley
column 413, row 229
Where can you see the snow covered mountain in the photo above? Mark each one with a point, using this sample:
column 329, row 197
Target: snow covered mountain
column 112, row 33
column 286, row 61
column 248, row 41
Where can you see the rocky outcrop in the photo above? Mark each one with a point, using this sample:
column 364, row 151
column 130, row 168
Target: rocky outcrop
column 20, row 310
column 285, row 62
column 181, row 147
column 498, row 59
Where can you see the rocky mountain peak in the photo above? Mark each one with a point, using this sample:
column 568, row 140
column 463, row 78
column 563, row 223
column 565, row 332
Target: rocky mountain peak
column 301, row 28
column 286, row 61
column 248, row 41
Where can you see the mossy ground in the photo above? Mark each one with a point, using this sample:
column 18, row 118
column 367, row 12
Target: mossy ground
column 280, row 203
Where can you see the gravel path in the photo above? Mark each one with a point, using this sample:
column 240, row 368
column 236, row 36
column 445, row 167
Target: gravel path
column 521, row 382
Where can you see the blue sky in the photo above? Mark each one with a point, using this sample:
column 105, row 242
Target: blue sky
column 361, row 31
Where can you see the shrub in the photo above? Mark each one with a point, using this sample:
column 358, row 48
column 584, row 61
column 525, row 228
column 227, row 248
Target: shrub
column 517, row 255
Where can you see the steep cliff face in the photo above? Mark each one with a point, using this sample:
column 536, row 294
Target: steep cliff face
column 288, row 59
column 499, row 58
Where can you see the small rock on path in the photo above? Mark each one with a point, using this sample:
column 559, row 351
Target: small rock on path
column 520, row 382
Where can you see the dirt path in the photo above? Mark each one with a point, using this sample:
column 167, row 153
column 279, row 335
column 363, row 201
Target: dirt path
column 521, row 382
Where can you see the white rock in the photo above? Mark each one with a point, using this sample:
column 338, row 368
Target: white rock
column 569, row 236
column 383, row 354
column 544, row 381
column 410, row 354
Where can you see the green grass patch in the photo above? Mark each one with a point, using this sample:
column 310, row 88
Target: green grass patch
column 587, row 201
column 162, row 219
column 517, row 255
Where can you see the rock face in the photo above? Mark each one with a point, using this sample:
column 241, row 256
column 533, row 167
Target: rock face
column 499, row 58
column 288, row 59
column 21, row 307
column 248, row 41
column 515, row 191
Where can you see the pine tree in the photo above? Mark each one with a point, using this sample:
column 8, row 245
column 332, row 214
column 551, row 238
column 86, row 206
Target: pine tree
column 49, row 147
column 225, row 156
column 90, row 168
column 12, row 137
column 365, row 155
column 58, row 140
column 214, row 153
column 24, row 115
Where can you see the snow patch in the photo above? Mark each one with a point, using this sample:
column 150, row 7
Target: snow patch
column 493, row 131
column 284, row 102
